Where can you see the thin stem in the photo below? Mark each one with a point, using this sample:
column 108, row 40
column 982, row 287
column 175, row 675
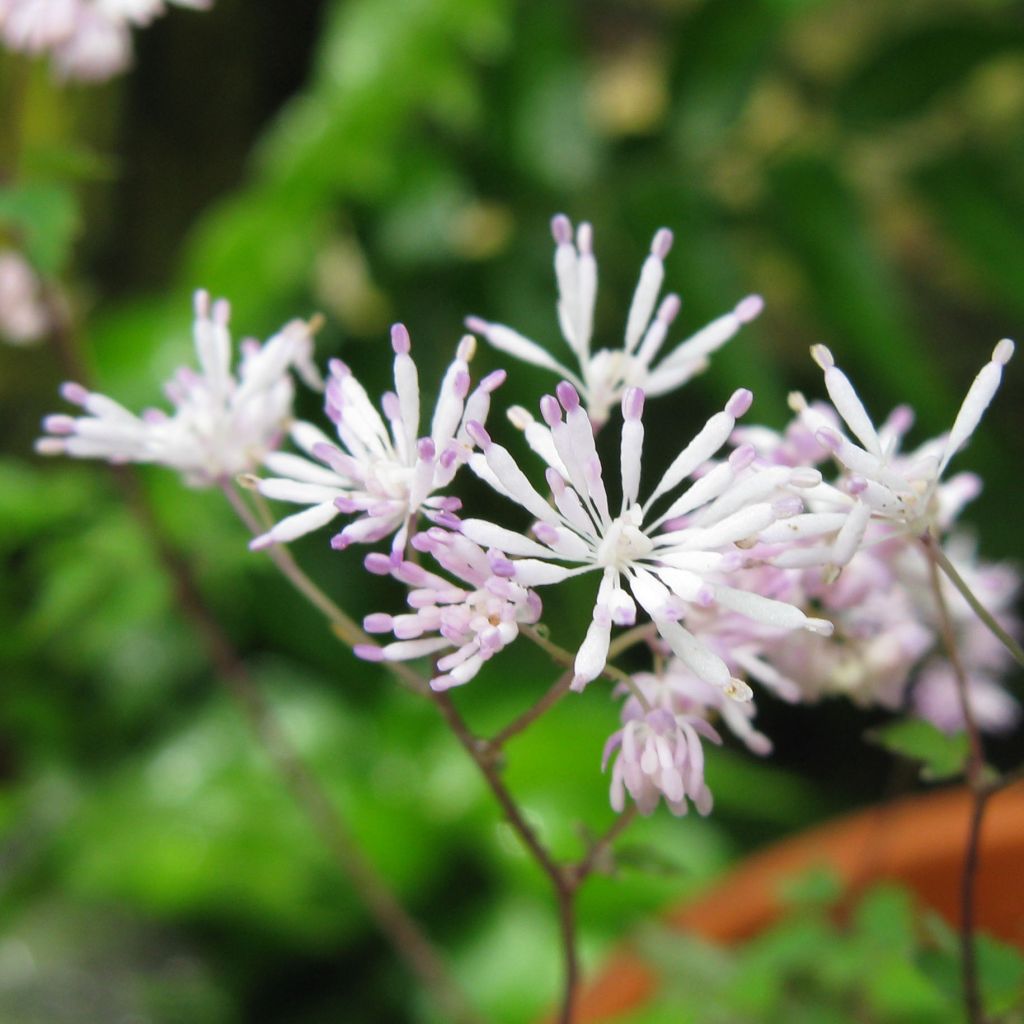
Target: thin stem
column 587, row 865
column 343, row 626
column 564, row 657
column 637, row 635
column 972, row 599
column 976, row 780
column 560, row 879
column 554, row 694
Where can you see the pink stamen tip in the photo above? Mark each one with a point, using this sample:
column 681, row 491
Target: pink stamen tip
column 856, row 485
column 338, row 369
column 58, row 423
column 426, row 449
column 555, row 480
column 902, row 419
column 633, row 403
column 221, row 312
column 742, row 457
column 739, row 403
column 391, row 406
column 828, row 438
column 550, row 410
column 785, row 508
column 378, row 622
column 500, row 565
column 448, row 457
column 377, row 563
column 662, row 243
column 585, row 239
column 368, row 652
column 494, row 380
column 477, row 325
column 479, row 436
column 561, row 229
column 462, row 384
column 669, row 308
column 568, row 396
column 339, row 542
column 1003, row 352
column 400, row 340
column 749, row 308
column 705, row 596
column 74, row 393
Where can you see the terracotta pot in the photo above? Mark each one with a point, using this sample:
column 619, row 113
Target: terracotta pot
column 918, row 841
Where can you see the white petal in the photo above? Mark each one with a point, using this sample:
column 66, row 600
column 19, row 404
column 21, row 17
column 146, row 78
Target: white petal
column 489, row 535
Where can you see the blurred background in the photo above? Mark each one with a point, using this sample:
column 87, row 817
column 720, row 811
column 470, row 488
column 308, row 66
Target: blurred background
column 860, row 163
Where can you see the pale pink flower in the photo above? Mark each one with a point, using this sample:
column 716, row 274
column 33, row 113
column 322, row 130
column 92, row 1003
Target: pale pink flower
column 659, row 754
column 605, row 375
column 384, row 472
column 641, row 560
column 24, row 319
column 478, row 616
column 224, row 423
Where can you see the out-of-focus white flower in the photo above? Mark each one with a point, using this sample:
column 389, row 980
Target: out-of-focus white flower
column 222, row 424
column 879, row 482
column 24, row 319
column 659, row 754
column 604, row 375
column 89, row 40
column 477, row 620
column 667, row 562
column 385, row 476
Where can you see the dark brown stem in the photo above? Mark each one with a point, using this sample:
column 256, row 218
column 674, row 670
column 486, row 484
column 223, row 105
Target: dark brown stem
column 599, row 848
column 975, row 771
column 561, row 880
column 384, row 908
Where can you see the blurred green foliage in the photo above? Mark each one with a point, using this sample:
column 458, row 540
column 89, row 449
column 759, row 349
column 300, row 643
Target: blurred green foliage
column 884, row 962
column 857, row 162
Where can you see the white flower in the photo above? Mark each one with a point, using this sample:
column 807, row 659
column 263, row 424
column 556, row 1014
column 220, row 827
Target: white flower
column 666, row 571
column 24, row 319
column 879, row 481
column 660, row 754
column 222, row 424
column 385, row 476
column 605, row 375
column 478, row 620
column 89, row 40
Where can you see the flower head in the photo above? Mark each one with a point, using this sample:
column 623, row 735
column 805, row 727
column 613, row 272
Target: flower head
column 878, row 481
column 478, row 616
column 667, row 562
column 384, row 472
column 222, row 424
column 605, row 375
column 659, row 754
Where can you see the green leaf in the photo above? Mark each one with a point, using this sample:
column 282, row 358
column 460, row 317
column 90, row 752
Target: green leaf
column 942, row 756
column 45, row 216
column 906, row 75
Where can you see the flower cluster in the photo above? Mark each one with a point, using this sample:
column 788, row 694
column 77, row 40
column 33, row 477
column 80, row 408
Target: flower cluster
column 223, row 423
column 750, row 561
column 88, row 40
column 478, row 616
